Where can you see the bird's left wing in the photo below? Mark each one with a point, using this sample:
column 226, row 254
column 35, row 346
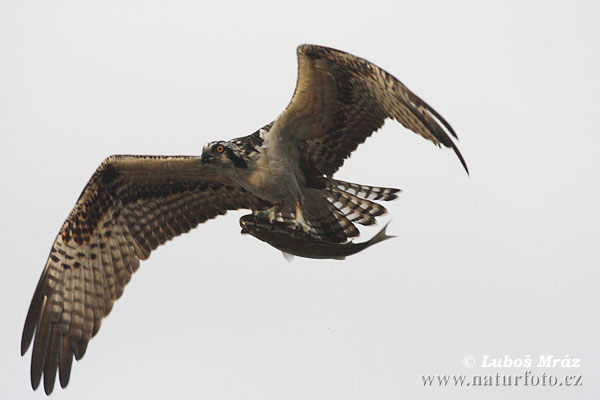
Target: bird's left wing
column 340, row 100
column 131, row 205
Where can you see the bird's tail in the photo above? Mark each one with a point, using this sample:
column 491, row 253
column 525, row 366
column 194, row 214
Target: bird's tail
column 332, row 212
column 327, row 222
column 353, row 200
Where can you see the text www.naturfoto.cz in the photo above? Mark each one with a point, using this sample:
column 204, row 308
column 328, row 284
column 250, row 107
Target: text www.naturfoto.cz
column 527, row 379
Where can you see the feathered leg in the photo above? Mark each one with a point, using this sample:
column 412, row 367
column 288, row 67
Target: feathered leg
column 301, row 223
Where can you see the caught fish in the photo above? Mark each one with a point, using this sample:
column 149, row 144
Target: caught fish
column 291, row 243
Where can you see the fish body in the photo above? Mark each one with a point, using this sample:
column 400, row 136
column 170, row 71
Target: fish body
column 292, row 243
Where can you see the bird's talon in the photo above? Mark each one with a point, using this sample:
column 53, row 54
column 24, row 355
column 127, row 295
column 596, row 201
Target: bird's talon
column 269, row 215
column 302, row 227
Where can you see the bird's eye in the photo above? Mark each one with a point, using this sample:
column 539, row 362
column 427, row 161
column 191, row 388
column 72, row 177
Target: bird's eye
column 219, row 149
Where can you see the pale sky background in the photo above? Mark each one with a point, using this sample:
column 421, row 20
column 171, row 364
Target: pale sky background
column 504, row 262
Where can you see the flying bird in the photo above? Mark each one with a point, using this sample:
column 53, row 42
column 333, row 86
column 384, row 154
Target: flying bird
column 283, row 171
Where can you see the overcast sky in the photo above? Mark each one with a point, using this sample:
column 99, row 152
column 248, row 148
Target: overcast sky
column 504, row 262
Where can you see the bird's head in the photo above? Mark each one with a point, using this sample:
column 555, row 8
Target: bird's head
column 222, row 154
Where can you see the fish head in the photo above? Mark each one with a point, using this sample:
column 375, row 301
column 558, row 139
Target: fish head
column 251, row 225
column 246, row 223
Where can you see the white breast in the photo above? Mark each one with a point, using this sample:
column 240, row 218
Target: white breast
column 274, row 173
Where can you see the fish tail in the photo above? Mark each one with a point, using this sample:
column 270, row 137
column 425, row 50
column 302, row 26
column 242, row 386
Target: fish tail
column 381, row 235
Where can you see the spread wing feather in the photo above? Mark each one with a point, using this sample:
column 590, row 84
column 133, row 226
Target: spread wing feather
column 341, row 99
column 131, row 205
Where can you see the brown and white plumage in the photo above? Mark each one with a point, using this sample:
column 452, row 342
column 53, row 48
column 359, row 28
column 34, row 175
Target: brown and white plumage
column 341, row 99
column 132, row 204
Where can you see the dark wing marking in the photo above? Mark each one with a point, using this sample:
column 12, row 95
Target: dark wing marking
column 131, row 205
column 341, row 99
column 249, row 145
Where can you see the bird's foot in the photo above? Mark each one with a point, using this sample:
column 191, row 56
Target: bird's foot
column 269, row 214
column 301, row 224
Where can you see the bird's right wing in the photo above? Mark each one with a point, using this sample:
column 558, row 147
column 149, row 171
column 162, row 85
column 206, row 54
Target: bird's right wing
column 340, row 100
column 131, row 205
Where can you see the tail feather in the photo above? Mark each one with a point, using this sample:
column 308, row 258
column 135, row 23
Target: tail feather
column 328, row 222
column 365, row 191
column 346, row 224
column 356, row 209
column 332, row 212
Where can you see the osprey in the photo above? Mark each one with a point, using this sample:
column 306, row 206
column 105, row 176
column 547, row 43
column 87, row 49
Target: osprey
column 283, row 171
